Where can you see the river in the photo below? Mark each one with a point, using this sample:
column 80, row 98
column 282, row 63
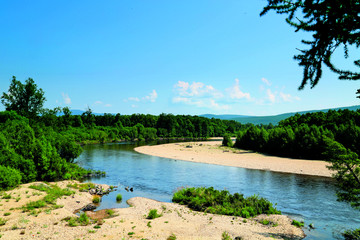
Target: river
column 305, row 198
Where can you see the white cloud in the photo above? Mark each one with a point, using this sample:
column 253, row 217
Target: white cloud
column 288, row 98
column 270, row 95
column 149, row 98
column 236, row 93
column 267, row 82
column 196, row 89
column 152, row 96
column 66, row 98
column 135, row 99
column 98, row 103
column 108, row 105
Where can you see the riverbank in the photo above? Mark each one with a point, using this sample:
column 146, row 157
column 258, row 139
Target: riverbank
column 212, row 152
column 126, row 223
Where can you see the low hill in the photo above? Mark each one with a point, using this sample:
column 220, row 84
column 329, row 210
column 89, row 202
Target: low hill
column 275, row 119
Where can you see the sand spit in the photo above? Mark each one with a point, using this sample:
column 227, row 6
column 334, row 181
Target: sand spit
column 131, row 223
column 213, row 153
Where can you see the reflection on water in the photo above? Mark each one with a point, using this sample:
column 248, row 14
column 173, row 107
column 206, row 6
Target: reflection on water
column 311, row 199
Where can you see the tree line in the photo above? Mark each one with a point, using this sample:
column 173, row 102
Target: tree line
column 304, row 136
column 38, row 144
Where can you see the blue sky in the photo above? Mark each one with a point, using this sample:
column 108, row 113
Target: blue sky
column 181, row 57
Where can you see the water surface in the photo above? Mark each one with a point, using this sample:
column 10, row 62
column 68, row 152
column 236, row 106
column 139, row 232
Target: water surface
column 311, row 199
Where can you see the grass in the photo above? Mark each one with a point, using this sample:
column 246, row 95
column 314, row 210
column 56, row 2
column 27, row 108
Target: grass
column 7, row 214
column 83, row 220
column 2, row 221
column 53, row 192
column 297, row 223
column 96, row 199
column 209, row 200
column 6, row 196
column 84, row 187
column 225, row 236
column 171, row 237
column 110, row 212
column 153, row 214
column 119, row 197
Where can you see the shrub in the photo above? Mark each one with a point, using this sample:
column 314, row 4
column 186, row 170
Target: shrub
column 171, row 237
column 222, row 202
column 96, row 199
column 351, row 234
column 297, row 223
column 2, row 221
column 227, row 142
column 153, row 214
column 119, row 197
column 225, row 236
column 84, row 219
column 9, row 177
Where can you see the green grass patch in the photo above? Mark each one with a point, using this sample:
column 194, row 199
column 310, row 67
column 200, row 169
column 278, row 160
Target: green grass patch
column 119, row 197
column 153, row 214
column 96, row 199
column 53, row 192
column 297, row 223
column 2, row 222
column 171, row 237
column 83, row 220
column 209, row 200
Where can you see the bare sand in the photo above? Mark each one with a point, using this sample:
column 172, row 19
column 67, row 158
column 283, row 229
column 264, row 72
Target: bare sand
column 212, row 152
column 131, row 223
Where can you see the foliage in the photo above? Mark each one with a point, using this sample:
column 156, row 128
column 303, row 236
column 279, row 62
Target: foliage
column 297, row 223
column 227, row 141
column 333, row 24
column 351, row 234
column 302, row 136
column 9, row 177
column 171, row 237
column 119, row 197
column 222, row 202
column 26, row 99
column 96, row 199
column 53, row 193
column 153, row 214
column 347, row 172
column 225, row 236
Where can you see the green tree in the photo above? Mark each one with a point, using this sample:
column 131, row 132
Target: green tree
column 333, row 24
column 26, row 99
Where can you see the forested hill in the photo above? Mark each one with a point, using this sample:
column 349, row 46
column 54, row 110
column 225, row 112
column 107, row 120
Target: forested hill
column 275, row 119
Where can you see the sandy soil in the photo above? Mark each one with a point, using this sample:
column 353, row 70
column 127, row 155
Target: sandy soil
column 213, row 153
column 131, row 223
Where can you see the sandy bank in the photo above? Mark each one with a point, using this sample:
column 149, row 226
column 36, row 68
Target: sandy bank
column 131, row 223
column 211, row 152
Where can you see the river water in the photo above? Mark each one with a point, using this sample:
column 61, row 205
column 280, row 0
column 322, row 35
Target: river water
column 306, row 198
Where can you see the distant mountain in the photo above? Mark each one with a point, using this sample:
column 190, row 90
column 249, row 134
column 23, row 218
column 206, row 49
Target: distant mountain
column 275, row 119
column 223, row 117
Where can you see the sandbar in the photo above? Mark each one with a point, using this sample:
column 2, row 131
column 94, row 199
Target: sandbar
column 212, row 152
column 130, row 223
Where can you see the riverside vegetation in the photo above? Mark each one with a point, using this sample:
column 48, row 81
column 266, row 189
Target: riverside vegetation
column 38, row 144
column 222, row 202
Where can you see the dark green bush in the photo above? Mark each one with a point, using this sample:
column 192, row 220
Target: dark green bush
column 153, row 214
column 227, row 142
column 222, row 202
column 351, row 234
column 9, row 177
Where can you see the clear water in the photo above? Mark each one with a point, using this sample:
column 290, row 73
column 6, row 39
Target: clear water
column 311, row 199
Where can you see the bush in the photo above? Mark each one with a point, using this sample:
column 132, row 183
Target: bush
column 351, row 234
column 9, row 177
column 96, row 199
column 227, row 142
column 222, row 202
column 297, row 223
column 153, row 214
column 118, row 198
